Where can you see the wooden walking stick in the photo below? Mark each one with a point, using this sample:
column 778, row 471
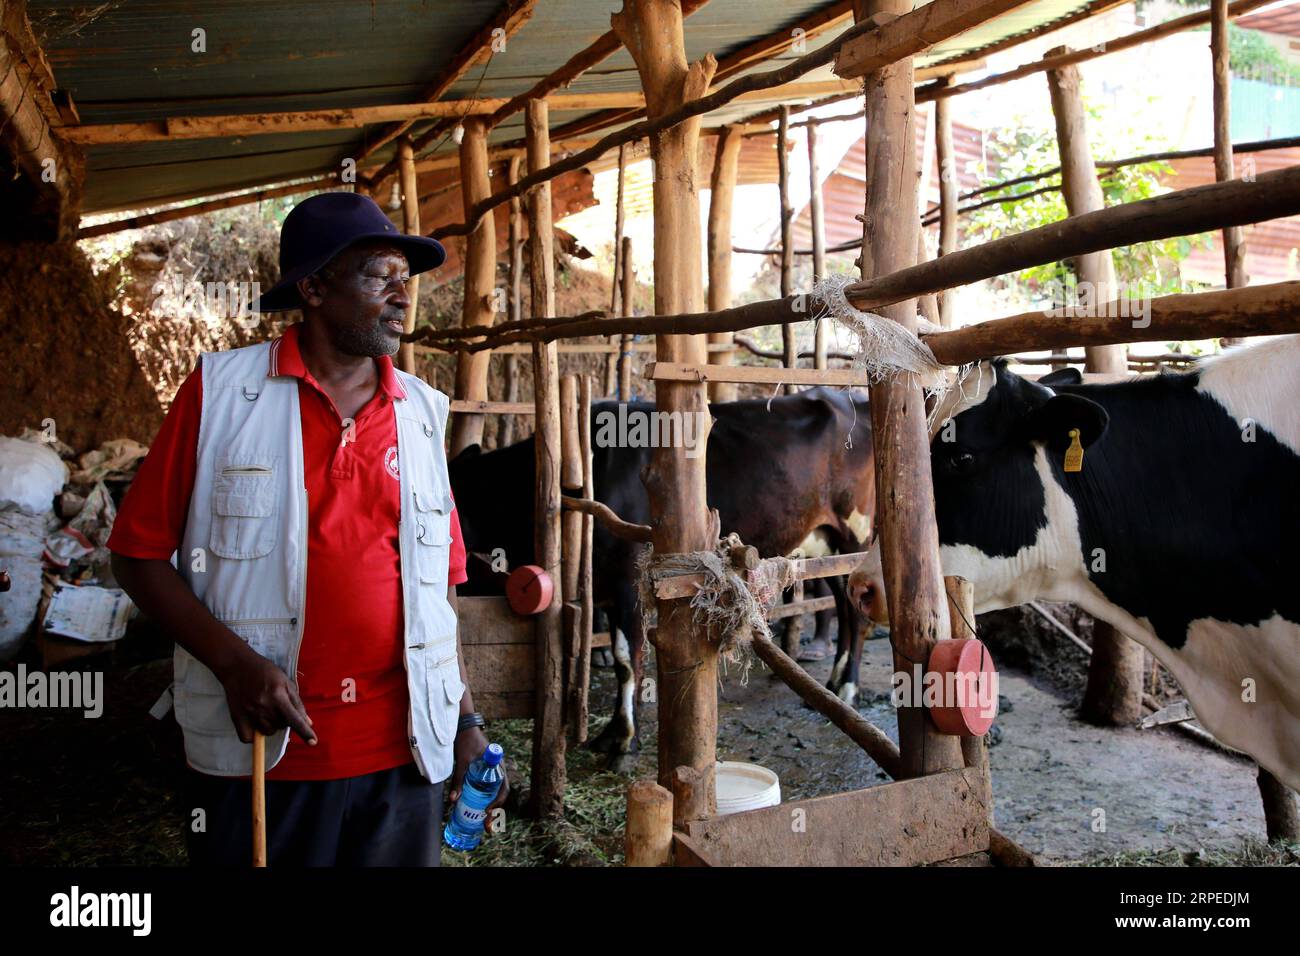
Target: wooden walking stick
column 259, row 800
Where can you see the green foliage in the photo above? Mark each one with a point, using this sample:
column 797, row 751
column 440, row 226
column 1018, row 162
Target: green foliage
column 1251, row 55
column 1149, row 268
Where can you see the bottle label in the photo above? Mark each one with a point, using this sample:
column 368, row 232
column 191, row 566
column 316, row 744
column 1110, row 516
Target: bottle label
column 468, row 817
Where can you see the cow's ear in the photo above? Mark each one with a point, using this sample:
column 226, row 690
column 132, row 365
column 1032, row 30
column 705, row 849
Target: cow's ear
column 1062, row 376
column 1052, row 422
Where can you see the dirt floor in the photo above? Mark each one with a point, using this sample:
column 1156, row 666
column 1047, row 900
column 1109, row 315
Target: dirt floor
column 101, row 792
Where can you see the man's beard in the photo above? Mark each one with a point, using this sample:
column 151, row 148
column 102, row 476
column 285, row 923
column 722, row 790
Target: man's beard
column 369, row 341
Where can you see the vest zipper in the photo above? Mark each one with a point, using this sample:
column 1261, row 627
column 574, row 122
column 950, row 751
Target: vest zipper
column 246, row 470
column 302, row 597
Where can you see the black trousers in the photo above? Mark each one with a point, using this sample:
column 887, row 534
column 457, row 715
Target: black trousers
column 389, row 818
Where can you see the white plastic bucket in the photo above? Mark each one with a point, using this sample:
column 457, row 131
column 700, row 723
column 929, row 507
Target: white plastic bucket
column 745, row 786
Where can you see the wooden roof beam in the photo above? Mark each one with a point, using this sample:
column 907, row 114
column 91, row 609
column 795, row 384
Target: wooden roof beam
column 574, row 67
column 302, row 121
column 508, row 21
column 762, row 49
column 1169, row 27
column 915, row 32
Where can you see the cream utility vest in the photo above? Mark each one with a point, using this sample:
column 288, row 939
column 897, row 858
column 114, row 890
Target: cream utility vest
column 244, row 553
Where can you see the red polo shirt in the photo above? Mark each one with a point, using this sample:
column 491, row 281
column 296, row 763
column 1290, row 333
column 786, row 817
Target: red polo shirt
column 351, row 673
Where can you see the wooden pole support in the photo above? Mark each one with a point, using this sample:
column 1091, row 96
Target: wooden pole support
column 570, row 483
column 478, row 308
column 691, row 799
column 818, row 239
column 625, row 341
column 790, row 350
column 510, row 370
column 1234, row 247
column 721, row 199
column 946, row 157
column 548, row 725
column 908, row 533
column 586, row 594
column 648, row 839
column 411, row 226
column 686, row 659
column 611, row 363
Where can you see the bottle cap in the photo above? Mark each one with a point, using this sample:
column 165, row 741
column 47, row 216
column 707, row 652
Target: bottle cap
column 492, row 756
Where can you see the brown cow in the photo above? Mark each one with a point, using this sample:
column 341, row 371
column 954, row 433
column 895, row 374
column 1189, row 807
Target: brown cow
column 793, row 472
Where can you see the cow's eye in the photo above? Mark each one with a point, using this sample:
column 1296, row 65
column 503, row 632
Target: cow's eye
column 959, row 462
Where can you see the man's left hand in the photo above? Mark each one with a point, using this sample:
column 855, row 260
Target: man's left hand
column 471, row 743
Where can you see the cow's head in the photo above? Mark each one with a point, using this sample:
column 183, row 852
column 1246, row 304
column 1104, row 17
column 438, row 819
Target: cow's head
column 997, row 449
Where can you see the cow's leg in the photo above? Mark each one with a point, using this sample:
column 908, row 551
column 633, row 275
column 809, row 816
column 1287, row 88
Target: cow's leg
column 820, row 645
column 619, row 738
column 848, row 653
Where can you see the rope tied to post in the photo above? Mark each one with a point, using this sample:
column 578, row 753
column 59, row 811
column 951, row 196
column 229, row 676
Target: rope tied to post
column 884, row 348
column 730, row 604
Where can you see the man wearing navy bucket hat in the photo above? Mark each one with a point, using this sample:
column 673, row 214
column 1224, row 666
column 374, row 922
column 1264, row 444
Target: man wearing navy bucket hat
column 293, row 529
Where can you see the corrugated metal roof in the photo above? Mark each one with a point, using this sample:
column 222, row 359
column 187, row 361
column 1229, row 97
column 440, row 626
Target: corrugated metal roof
column 133, row 61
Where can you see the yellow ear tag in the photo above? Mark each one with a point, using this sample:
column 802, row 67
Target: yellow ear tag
column 1074, row 454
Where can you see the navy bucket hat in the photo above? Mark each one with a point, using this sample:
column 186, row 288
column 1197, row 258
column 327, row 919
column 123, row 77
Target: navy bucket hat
column 322, row 226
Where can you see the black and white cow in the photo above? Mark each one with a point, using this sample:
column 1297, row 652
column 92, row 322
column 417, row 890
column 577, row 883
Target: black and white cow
column 1182, row 529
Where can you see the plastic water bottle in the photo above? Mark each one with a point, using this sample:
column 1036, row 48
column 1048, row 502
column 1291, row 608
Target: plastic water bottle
column 464, row 831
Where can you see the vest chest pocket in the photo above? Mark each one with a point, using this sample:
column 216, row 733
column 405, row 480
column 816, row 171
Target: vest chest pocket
column 445, row 688
column 432, row 535
column 244, row 509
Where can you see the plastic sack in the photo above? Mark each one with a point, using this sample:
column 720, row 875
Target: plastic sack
column 22, row 539
column 31, row 474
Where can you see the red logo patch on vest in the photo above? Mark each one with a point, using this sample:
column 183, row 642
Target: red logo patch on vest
column 390, row 463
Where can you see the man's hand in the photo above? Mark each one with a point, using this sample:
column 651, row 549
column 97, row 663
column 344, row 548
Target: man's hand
column 263, row 699
column 470, row 745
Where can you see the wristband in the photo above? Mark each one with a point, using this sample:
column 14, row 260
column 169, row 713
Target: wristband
column 472, row 719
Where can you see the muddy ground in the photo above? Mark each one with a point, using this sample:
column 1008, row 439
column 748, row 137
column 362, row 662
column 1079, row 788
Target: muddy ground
column 101, row 792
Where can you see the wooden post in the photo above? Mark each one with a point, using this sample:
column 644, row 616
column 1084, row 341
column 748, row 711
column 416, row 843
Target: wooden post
column 1082, row 192
column 927, row 305
column 688, row 796
column 908, row 533
column 548, row 723
column 788, row 338
column 480, row 276
column 625, row 340
column 687, row 660
column 649, row 832
column 410, row 226
column 586, row 621
column 1234, row 248
column 570, row 541
column 570, row 483
column 511, row 367
column 818, row 238
column 611, row 364
column 1114, row 692
column 947, row 159
column 721, row 198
